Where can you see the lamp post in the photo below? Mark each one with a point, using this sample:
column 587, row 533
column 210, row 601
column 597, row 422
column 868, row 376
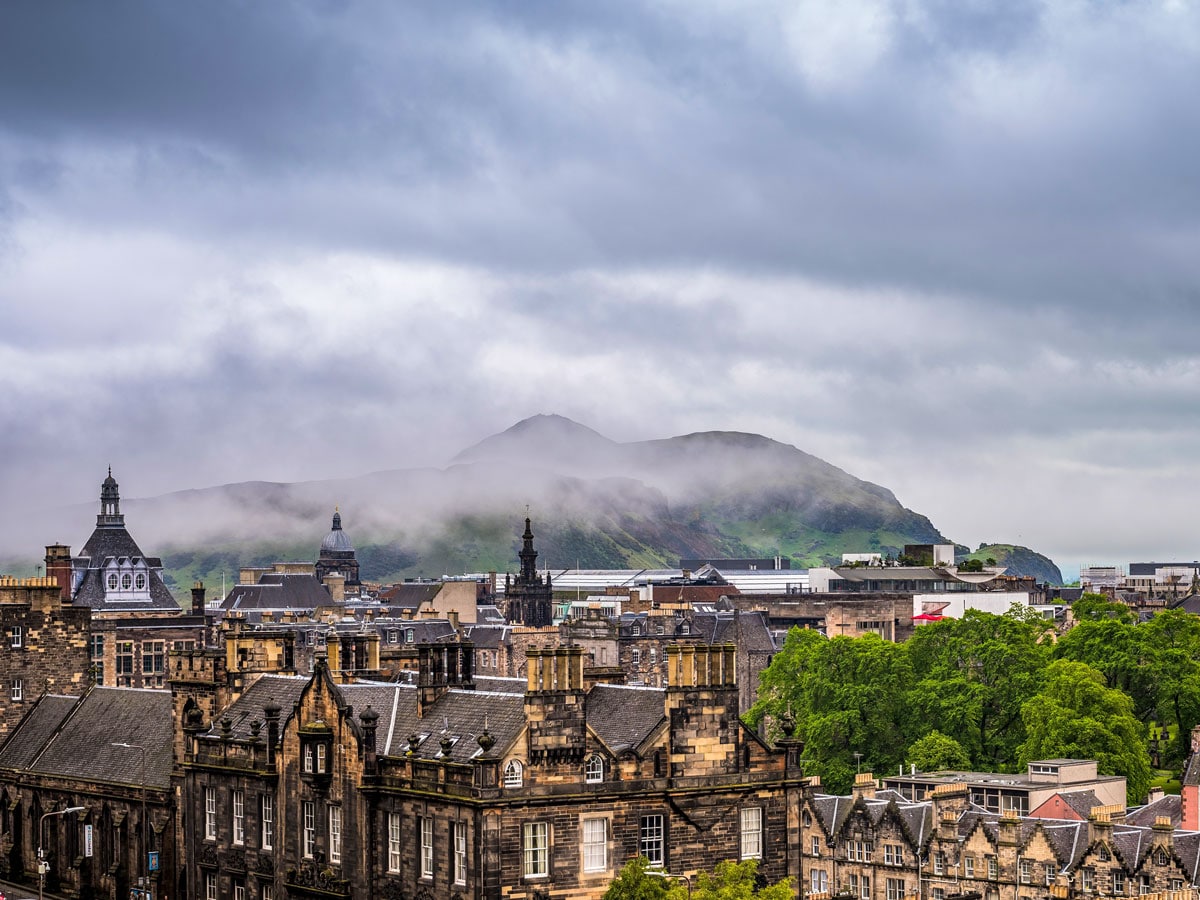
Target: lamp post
column 143, row 881
column 41, row 848
column 663, row 873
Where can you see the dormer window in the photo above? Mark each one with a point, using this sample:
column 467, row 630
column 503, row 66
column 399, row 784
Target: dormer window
column 635, row 630
column 126, row 581
column 514, row 776
column 112, row 582
column 408, row 636
column 141, row 582
column 593, row 772
column 685, row 628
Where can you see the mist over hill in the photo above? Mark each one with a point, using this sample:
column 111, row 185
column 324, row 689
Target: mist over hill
column 594, row 502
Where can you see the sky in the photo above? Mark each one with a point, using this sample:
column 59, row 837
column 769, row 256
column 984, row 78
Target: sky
column 950, row 246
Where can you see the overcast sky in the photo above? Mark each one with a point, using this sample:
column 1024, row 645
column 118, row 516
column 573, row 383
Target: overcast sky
column 951, row 246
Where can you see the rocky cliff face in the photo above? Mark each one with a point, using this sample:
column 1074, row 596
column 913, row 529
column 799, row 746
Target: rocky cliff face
column 1019, row 561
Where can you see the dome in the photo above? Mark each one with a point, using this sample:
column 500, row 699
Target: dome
column 336, row 541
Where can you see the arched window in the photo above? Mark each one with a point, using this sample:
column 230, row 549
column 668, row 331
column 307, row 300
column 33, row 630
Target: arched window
column 126, row 581
column 513, row 774
column 806, row 819
column 141, row 582
column 593, row 772
column 112, row 582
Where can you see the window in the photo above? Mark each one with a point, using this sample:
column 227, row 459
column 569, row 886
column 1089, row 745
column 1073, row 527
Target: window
column 939, row 863
column 819, row 880
column 594, row 770
column 308, row 835
column 408, row 636
column 154, row 660
column 752, row 833
column 124, row 664
column 635, row 656
column 685, row 628
column 653, row 656
column 141, row 582
column 308, row 757
column 335, row 834
column 993, row 868
column 652, row 840
column 458, row 864
column 1105, row 856
column 513, row 775
column 866, row 887
column 1176, row 884
column 939, row 893
column 112, row 586
column 210, row 814
column 536, row 849
column 851, row 885
column 393, row 842
column 1025, row 871
column 895, row 889
column 16, row 637
column 239, row 890
column 268, row 822
column 239, row 817
column 321, row 759
column 126, row 581
column 635, row 630
column 1118, row 878
column 426, row 847
column 266, row 892
column 893, row 854
column 393, row 636
column 858, row 851
column 816, row 846
column 1049, row 875
column 17, row 689
column 1160, row 858
column 969, row 866
column 1144, row 884
column 98, row 657
column 595, row 845
column 806, row 819
column 210, row 885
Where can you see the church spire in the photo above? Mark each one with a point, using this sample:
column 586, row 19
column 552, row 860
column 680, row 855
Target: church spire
column 110, row 504
column 528, row 555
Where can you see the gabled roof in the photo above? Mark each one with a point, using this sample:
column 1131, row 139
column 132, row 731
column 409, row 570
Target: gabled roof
column 623, row 716
column 75, row 739
column 1169, row 805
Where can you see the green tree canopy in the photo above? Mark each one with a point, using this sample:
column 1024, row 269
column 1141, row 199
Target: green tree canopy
column 637, row 880
column 633, row 883
column 936, row 751
column 1075, row 716
column 971, row 678
column 1097, row 608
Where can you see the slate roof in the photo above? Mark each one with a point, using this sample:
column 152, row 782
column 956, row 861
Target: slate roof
column 410, row 595
column 1081, row 802
column 1170, row 805
column 488, row 637
column 276, row 590
column 623, row 716
column 75, row 740
column 283, row 689
column 748, row 630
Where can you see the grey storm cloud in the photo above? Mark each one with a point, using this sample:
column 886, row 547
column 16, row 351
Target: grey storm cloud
column 951, row 246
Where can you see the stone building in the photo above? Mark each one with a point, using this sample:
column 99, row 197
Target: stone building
column 109, row 753
column 461, row 786
column 528, row 598
column 876, row 845
column 43, row 645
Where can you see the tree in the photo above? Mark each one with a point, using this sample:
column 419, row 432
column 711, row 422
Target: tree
column 1096, row 607
column 971, row 678
column 735, row 881
column 936, row 752
column 1075, row 716
column 847, row 695
column 633, row 883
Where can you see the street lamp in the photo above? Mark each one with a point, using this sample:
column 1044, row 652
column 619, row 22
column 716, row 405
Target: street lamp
column 663, row 873
column 42, row 866
column 143, row 881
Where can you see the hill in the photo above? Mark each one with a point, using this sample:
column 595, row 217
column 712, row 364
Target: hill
column 595, row 502
column 1019, row 560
